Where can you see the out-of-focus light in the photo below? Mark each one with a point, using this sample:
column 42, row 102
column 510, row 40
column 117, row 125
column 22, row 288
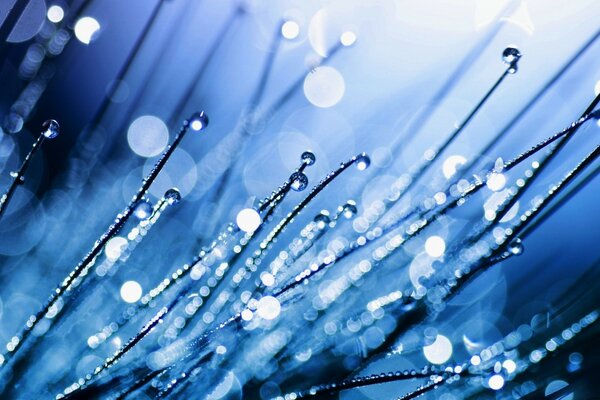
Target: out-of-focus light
column 324, row 87
column 476, row 360
column 496, row 181
column 597, row 88
column 267, row 279
column 114, row 247
column 348, row 38
column 451, row 164
column 435, row 246
column 290, row 30
column 496, row 382
column 55, row 14
column 439, row 351
column 247, row 315
column 131, row 291
column 557, row 385
column 86, row 29
column 510, row 366
column 248, row 220
column 268, row 308
column 148, row 136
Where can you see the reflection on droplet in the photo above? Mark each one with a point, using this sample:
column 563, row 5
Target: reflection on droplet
column 439, row 351
column 362, row 162
column 131, row 291
column 148, row 136
column 50, row 129
column 86, row 29
column 299, row 181
column 308, row 158
column 324, row 87
column 143, row 209
column 248, row 220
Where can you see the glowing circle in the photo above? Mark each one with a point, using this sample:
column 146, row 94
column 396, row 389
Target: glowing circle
column 131, row 291
column 510, row 366
column 247, row 315
column 268, row 308
column 451, row 164
column 248, row 220
column 557, row 385
column 439, row 351
column 435, row 246
column 55, row 14
column 348, row 38
column 147, row 136
column 496, row 382
column 86, row 29
column 324, row 87
column 114, row 247
column 290, row 30
column 496, row 181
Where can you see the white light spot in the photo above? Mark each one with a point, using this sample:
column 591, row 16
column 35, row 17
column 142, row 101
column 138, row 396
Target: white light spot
column 267, row 279
column 248, row 220
column 476, row 360
column 451, row 164
column 597, row 88
column 114, row 247
column 268, row 308
column 86, row 29
column 247, row 315
column 496, row 181
column 55, row 14
column 435, row 246
column 131, row 291
column 196, row 125
column 348, row 38
column 324, row 87
column 510, row 366
column 290, row 30
column 439, row 351
column 496, row 382
column 148, row 136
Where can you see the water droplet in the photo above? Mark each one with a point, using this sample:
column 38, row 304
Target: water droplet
column 516, row 247
column 308, row 158
column 51, row 129
column 363, row 161
column 199, row 121
column 322, row 219
column 173, row 195
column 143, row 209
column 511, row 55
column 349, row 209
column 299, row 181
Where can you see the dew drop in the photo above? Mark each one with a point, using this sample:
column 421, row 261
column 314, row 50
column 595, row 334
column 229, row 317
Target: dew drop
column 199, row 121
column 173, row 196
column 299, row 181
column 143, row 209
column 362, row 162
column 308, row 158
column 50, row 129
column 516, row 247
